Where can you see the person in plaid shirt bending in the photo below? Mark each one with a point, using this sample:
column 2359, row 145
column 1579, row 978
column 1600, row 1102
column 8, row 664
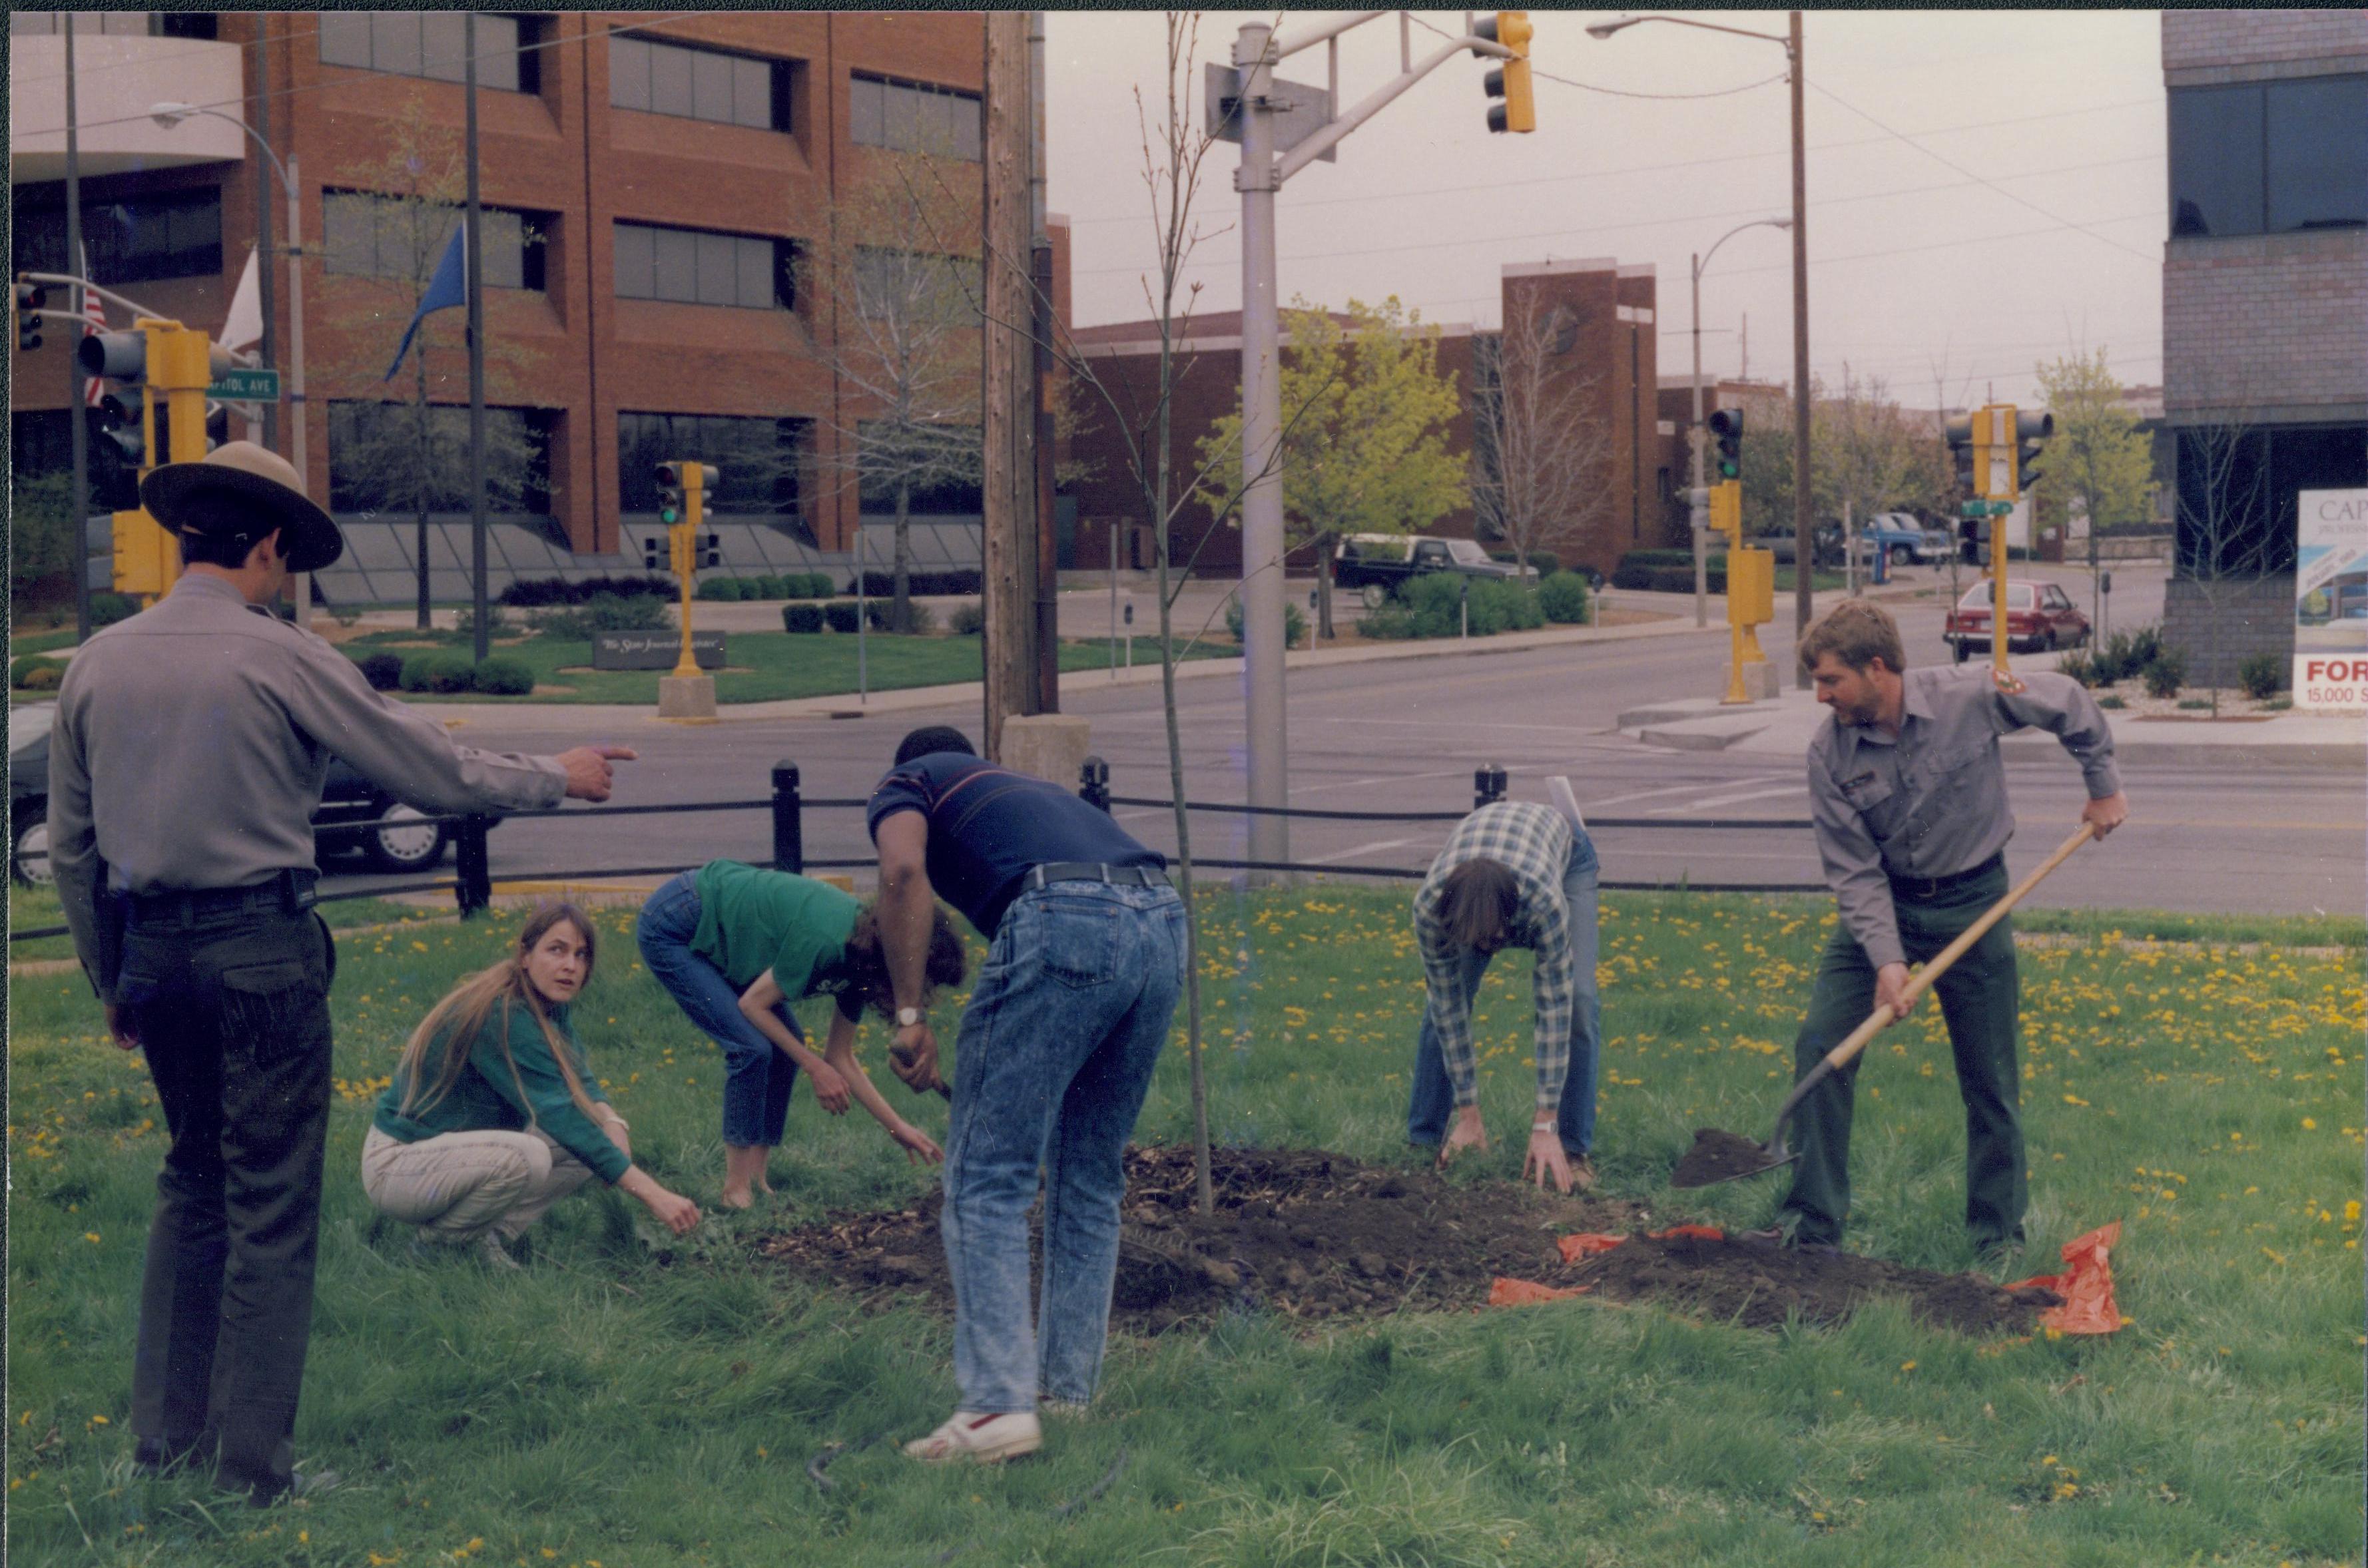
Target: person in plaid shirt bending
column 1513, row 875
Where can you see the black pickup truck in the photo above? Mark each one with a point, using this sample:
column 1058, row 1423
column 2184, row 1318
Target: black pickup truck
column 356, row 815
column 1378, row 562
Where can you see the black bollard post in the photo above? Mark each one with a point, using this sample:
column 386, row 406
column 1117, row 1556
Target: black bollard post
column 474, row 888
column 789, row 825
column 1488, row 785
column 1093, row 783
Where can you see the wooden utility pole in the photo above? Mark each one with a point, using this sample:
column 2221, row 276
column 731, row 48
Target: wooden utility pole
column 1010, row 487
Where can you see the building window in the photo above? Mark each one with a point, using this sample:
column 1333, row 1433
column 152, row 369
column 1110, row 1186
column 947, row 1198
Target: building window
column 2269, row 157
column 693, row 267
column 384, row 236
column 135, row 240
column 918, row 286
column 909, row 117
column 2236, row 491
column 387, row 459
column 697, row 84
column 758, row 461
column 940, row 462
column 434, row 44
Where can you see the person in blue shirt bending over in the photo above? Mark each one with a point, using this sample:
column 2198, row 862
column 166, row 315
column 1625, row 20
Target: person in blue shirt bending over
column 1084, row 962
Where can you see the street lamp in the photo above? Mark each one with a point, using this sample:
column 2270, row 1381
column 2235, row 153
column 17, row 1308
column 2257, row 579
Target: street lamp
column 170, row 114
column 1791, row 41
column 1700, row 497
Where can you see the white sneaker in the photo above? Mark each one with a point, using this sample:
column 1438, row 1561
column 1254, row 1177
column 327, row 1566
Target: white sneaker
column 981, row 1439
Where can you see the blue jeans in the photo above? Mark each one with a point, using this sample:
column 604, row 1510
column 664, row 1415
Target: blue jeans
column 1433, row 1100
column 1064, row 1025
column 758, row 1074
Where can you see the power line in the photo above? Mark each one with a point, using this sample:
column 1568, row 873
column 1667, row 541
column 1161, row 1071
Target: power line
column 1647, row 222
column 1961, row 169
column 1465, row 188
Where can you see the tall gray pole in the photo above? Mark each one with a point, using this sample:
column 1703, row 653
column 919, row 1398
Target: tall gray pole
column 299, row 413
column 475, row 260
column 1262, row 583
column 267, row 290
column 1697, row 497
column 1801, row 520
column 78, row 421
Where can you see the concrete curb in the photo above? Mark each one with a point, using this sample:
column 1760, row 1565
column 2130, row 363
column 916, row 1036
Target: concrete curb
column 1785, row 727
column 1079, row 682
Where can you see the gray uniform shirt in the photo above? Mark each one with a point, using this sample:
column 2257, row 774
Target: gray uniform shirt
column 1931, row 801
column 192, row 742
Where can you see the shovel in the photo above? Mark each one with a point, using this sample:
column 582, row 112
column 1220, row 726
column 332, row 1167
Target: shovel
column 1719, row 1157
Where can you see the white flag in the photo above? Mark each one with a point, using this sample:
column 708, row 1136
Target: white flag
column 245, row 327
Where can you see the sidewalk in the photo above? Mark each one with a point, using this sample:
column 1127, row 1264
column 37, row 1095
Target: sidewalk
column 1785, row 727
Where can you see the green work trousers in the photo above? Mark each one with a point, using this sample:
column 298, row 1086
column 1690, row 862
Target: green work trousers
column 1979, row 1000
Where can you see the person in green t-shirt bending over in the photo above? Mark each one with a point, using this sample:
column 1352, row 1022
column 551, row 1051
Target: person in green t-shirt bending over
column 735, row 945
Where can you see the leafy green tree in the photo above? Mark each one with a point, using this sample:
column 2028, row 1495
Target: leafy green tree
column 1366, row 449
column 2100, row 464
column 40, row 539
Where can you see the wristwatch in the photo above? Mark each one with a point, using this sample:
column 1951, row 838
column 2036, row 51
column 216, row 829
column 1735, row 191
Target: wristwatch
column 908, row 1016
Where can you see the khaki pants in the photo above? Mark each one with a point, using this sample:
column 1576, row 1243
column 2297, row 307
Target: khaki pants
column 456, row 1186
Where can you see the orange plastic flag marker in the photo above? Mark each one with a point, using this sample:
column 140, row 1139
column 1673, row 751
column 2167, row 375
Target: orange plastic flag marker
column 2085, row 1285
column 1703, row 1233
column 1586, row 1244
column 1507, row 1292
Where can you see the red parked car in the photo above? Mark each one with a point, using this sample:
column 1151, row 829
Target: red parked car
column 2040, row 617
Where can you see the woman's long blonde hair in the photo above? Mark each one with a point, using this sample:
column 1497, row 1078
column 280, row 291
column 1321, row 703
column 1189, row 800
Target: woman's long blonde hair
column 467, row 1006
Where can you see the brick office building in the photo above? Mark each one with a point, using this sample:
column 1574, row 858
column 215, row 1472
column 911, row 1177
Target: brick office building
column 2264, row 294
column 1598, row 311
column 653, row 187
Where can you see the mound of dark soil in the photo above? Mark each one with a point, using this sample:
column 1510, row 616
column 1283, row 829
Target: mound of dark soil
column 1759, row 1285
column 1314, row 1235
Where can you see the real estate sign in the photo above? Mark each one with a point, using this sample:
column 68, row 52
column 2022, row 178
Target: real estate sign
column 2332, row 600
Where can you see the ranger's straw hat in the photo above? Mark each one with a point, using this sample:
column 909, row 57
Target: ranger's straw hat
column 262, row 478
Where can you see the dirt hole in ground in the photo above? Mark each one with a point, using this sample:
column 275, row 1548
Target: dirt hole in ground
column 1315, row 1236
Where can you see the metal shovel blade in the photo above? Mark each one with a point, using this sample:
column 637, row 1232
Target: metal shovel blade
column 1719, row 1157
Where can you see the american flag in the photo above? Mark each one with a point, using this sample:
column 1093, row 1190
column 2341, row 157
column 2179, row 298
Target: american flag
column 94, row 312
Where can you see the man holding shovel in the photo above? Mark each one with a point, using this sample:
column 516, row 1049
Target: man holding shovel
column 1908, row 795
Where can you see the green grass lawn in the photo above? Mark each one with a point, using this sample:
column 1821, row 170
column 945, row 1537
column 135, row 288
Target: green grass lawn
column 612, row 1406
column 33, row 909
column 766, row 666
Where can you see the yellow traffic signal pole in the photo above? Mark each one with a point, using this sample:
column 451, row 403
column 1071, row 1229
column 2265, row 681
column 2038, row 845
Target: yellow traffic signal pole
column 1750, row 589
column 683, row 538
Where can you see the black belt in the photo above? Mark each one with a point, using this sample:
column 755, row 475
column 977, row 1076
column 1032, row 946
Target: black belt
column 1091, row 871
column 1923, row 889
column 289, row 892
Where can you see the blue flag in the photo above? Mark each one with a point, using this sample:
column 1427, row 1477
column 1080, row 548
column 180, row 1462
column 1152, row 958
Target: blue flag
column 449, row 288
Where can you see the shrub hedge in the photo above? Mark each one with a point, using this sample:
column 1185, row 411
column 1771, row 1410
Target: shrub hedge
column 383, row 668
column 1563, row 598
column 801, row 617
column 534, row 593
column 502, row 677
column 2263, row 676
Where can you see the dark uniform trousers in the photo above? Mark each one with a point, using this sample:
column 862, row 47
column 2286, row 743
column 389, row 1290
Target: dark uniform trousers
column 233, row 1014
column 1979, row 1000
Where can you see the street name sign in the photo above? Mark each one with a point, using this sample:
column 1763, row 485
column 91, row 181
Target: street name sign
column 239, row 384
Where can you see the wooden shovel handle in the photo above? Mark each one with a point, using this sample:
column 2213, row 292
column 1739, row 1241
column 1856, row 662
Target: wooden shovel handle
column 1921, row 980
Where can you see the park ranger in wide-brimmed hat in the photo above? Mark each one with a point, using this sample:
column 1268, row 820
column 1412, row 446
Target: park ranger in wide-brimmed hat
column 191, row 743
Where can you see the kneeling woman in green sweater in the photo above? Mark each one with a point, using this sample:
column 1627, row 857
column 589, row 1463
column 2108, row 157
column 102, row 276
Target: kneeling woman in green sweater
column 492, row 1116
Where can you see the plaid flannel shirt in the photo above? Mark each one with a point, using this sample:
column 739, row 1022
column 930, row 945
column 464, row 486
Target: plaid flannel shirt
column 1533, row 843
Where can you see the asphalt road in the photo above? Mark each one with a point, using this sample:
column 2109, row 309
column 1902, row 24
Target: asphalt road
column 1406, row 736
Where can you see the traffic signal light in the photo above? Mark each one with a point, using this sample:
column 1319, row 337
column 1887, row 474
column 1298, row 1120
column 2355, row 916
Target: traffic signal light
column 670, row 497
column 1727, row 432
column 2031, row 432
column 1973, row 540
column 30, row 298
column 711, row 550
column 1509, row 82
column 118, row 415
column 654, row 553
column 1961, row 454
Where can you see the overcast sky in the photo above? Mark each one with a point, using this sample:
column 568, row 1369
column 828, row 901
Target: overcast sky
column 1915, row 266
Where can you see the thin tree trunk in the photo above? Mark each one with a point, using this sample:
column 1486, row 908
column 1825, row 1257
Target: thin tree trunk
column 420, row 471
column 900, row 609
column 1324, row 549
column 1205, row 1190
